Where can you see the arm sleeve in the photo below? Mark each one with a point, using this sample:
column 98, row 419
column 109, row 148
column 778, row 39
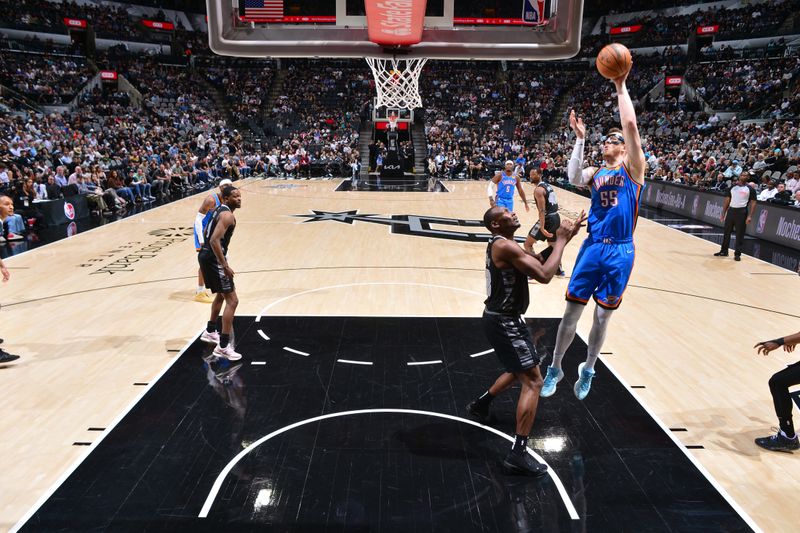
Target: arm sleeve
column 574, row 171
column 198, row 226
column 490, row 189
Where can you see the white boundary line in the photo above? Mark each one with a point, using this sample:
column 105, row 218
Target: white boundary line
column 736, row 507
column 419, row 363
column 21, row 522
column 298, row 352
column 258, row 363
column 351, row 362
column 212, row 495
column 263, row 335
column 481, row 353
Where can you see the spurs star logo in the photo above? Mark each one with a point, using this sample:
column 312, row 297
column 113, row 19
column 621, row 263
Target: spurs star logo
column 416, row 225
column 172, row 232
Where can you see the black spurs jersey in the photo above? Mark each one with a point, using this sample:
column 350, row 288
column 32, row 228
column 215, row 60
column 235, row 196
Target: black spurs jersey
column 507, row 288
column 211, row 226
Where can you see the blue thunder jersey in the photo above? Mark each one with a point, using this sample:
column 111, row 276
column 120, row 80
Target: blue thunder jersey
column 615, row 205
column 210, row 213
column 206, row 219
column 506, row 186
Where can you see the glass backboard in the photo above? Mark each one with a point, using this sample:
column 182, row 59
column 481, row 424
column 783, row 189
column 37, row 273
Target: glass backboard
column 450, row 29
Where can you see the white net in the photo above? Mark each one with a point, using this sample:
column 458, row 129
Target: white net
column 397, row 81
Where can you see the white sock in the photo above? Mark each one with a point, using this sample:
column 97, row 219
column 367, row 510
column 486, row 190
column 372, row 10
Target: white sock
column 566, row 332
column 200, row 288
column 597, row 336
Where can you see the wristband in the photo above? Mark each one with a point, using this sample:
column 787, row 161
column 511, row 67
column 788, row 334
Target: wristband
column 779, row 342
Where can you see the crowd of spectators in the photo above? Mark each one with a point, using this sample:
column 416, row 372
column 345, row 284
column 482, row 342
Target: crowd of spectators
column 246, row 89
column 313, row 124
column 747, row 21
column 743, row 85
column 44, row 78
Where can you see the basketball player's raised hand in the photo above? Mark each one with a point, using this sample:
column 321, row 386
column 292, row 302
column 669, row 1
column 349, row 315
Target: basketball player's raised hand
column 570, row 228
column 577, row 125
column 765, row 347
column 579, row 223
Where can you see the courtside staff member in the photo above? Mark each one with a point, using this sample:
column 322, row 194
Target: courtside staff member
column 737, row 213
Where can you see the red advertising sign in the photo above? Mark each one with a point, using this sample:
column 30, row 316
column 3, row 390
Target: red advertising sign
column 706, row 30
column 625, row 29
column 381, row 125
column 673, row 81
column 395, row 22
column 109, row 75
column 158, row 25
column 75, row 23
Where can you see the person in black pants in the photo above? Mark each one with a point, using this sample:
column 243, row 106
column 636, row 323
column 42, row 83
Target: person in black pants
column 737, row 213
column 785, row 440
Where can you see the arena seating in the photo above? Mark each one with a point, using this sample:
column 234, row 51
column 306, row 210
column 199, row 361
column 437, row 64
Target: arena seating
column 306, row 114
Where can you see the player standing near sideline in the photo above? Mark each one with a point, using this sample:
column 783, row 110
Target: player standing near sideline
column 201, row 220
column 605, row 260
column 507, row 271
column 785, row 440
column 549, row 220
column 218, row 274
column 505, row 181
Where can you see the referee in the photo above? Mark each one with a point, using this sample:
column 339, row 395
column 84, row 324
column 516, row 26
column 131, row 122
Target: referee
column 737, row 213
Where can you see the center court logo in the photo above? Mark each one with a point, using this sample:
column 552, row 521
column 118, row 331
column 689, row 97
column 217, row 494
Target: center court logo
column 416, row 225
column 762, row 222
column 69, row 210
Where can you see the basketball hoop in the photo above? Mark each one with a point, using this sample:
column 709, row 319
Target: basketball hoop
column 397, row 81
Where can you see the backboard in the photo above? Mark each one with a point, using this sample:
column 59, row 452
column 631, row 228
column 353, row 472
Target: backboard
column 448, row 29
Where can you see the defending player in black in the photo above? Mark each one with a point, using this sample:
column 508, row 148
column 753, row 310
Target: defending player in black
column 507, row 271
column 218, row 274
column 785, row 440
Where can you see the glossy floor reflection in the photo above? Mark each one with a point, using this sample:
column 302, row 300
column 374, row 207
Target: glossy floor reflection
column 418, row 471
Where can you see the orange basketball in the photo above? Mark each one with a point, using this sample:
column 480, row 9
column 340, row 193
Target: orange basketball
column 614, row 60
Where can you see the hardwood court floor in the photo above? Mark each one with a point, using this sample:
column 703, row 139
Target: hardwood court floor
column 97, row 314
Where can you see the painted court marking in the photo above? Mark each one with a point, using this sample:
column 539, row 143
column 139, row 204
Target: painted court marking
column 298, row 352
column 352, row 362
column 420, row 363
column 481, row 353
column 212, row 495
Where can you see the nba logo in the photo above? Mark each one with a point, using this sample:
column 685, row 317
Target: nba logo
column 533, row 12
column 69, row 210
column 695, row 204
column 762, row 221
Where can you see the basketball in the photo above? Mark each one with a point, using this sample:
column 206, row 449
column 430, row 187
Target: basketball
column 614, row 60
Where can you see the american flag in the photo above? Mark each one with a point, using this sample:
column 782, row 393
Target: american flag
column 263, row 9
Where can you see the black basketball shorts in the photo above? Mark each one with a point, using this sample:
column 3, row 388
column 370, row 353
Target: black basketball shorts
column 511, row 340
column 213, row 274
column 551, row 224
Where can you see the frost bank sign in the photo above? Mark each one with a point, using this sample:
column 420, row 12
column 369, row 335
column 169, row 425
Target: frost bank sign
column 770, row 222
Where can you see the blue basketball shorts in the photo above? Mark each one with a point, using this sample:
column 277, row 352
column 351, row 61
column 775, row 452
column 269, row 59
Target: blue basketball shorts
column 601, row 272
column 508, row 203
